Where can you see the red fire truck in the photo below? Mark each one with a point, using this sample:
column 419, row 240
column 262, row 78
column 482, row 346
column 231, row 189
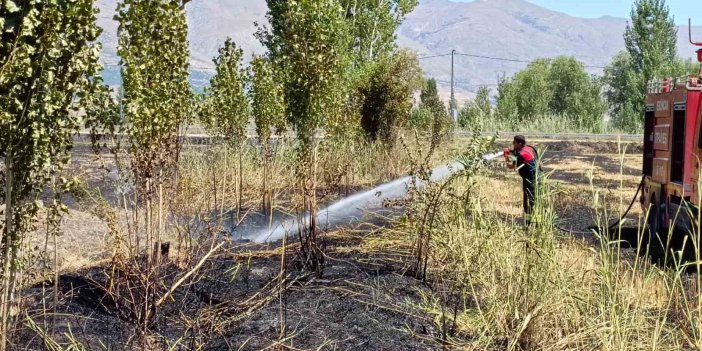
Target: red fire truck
column 672, row 154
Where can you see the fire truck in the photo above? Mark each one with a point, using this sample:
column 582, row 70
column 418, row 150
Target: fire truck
column 672, row 155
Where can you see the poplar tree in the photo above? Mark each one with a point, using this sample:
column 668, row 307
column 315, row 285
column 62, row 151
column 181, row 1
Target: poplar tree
column 48, row 69
column 651, row 39
column 153, row 49
column 268, row 108
column 154, row 60
column 431, row 102
column 308, row 40
column 651, row 52
column 226, row 106
column 482, row 101
column 227, row 109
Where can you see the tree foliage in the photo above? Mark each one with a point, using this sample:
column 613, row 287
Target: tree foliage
column 558, row 87
column 622, row 90
column 420, row 118
column 48, row 69
column 507, row 96
column 268, row 106
column 373, row 24
column 267, row 98
column 388, row 95
column 534, row 90
column 154, row 54
column 226, row 107
column 567, row 76
column 430, row 102
column 477, row 110
column 651, row 39
column 308, row 40
column 651, row 52
column 576, row 94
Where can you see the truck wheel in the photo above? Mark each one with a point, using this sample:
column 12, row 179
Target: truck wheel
column 653, row 238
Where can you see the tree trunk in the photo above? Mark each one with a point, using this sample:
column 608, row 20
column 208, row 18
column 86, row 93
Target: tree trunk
column 215, row 203
column 149, row 261
column 159, row 231
column 148, row 221
column 222, row 187
column 283, row 316
column 6, row 295
column 267, row 196
column 240, row 185
column 316, row 253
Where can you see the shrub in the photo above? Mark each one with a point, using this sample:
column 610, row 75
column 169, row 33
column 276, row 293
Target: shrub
column 387, row 96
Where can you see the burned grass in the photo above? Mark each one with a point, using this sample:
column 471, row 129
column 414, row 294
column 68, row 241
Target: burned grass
column 364, row 301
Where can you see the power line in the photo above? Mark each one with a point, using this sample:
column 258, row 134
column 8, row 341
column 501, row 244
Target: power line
column 467, row 84
column 433, row 56
column 494, row 58
column 498, row 59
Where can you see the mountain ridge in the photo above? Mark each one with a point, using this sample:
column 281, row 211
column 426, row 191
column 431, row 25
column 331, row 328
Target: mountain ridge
column 513, row 29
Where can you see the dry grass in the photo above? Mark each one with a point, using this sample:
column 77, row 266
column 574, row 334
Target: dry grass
column 491, row 285
column 500, row 286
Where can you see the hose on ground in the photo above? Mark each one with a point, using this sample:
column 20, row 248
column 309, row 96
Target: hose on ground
column 617, row 222
column 638, row 190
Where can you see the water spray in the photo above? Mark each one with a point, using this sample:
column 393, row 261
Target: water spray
column 354, row 207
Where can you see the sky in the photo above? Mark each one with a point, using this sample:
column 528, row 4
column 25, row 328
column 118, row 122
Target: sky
column 681, row 9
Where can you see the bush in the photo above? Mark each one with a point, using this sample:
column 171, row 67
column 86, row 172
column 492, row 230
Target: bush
column 440, row 121
column 387, row 95
column 477, row 110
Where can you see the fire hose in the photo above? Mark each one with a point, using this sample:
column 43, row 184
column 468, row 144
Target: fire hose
column 509, row 158
column 616, row 223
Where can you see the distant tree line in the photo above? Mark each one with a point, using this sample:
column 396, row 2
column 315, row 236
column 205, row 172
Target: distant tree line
column 561, row 88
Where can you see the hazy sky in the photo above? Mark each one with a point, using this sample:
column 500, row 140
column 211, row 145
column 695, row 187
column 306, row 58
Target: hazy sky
column 681, row 9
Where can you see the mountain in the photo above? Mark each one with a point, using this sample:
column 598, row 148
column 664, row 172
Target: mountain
column 513, row 29
column 210, row 22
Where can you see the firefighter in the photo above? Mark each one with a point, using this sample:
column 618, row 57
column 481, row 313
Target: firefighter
column 524, row 158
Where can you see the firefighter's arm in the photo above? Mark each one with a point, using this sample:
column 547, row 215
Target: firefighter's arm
column 510, row 159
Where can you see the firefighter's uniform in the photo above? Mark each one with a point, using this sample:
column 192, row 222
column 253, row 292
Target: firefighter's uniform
column 525, row 161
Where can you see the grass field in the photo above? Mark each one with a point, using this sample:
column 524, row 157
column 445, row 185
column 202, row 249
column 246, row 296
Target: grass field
column 490, row 283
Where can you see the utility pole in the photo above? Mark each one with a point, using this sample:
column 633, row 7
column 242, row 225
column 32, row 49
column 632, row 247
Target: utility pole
column 121, row 104
column 452, row 103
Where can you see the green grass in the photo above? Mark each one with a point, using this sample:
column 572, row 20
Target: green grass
column 545, row 124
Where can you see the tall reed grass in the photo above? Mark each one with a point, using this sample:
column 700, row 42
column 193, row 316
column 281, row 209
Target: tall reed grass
column 549, row 123
column 502, row 285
